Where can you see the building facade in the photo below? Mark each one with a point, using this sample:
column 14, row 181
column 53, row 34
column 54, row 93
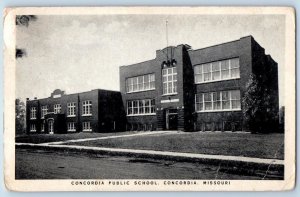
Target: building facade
column 92, row 111
column 181, row 89
column 195, row 90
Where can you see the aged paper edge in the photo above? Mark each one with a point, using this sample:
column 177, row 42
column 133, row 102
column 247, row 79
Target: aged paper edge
column 65, row 185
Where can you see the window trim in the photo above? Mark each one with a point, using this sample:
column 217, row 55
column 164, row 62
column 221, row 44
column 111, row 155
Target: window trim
column 127, row 88
column 73, row 127
column 55, row 108
column 149, row 107
column 211, row 72
column 33, row 111
column 87, row 129
column 89, row 108
column 173, row 82
column 32, row 128
column 170, row 94
column 71, row 105
column 44, row 108
column 150, row 114
column 221, row 102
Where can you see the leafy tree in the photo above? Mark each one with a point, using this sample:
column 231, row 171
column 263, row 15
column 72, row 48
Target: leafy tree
column 20, row 53
column 23, row 20
column 20, row 116
column 258, row 107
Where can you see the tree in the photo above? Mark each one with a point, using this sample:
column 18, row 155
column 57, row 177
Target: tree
column 258, row 107
column 20, row 116
column 20, row 53
column 23, row 20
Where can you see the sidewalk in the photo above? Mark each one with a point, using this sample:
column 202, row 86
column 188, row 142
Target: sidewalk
column 245, row 162
column 110, row 137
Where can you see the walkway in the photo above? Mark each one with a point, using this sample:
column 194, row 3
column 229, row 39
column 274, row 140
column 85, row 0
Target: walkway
column 112, row 137
column 155, row 154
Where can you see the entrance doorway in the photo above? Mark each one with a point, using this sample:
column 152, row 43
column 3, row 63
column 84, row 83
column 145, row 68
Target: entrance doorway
column 50, row 126
column 171, row 119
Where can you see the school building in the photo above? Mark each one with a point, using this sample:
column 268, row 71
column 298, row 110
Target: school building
column 92, row 111
column 180, row 89
column 195, row 90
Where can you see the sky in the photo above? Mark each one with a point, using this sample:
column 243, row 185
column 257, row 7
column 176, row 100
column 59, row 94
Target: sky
column 81, row 53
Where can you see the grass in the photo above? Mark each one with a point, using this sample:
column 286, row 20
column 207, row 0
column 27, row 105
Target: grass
column 44, row 138
column 235, row 144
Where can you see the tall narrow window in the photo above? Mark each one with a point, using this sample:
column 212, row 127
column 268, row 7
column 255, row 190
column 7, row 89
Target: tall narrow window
column 71, row 126
column 135, row 105
column 169, row 80
column 152, row 106
column 33, row 113
column 141, row 105
column 216, row 100
column 208, row 101
column 225, row 69
column 207, row 72
column 215, row 69
column 44, row 110
column 71, row 109
column 198, row 74
column 152, row 81
column 42, row 127
column 235, row 99
column 225, row 100
column 87, row 108
column 57, row 108
column 32, row 128
column 86, row 126
column 235, row 68
column 199, row 102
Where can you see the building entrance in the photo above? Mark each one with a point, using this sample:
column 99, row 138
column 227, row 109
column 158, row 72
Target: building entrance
column 171, row 119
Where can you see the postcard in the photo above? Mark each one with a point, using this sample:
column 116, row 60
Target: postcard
column 149, row 98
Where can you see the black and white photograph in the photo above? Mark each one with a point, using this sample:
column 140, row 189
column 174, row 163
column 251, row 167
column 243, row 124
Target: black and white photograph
column 150, row 99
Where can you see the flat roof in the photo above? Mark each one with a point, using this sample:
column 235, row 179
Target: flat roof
column 76, row 93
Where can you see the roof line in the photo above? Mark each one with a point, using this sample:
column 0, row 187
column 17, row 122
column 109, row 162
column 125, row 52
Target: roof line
column 221, row 43
column 77, row 93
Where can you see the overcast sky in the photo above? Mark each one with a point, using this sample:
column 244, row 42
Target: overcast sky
column 81, row 53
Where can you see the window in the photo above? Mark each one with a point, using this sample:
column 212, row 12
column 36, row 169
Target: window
column 44, row 110
column 33, row 113
column 140, row 83
column 141, row 107
column 218, row 101
column 71, row 109
column 86, row 126
column 199, row 102
column 42, row 127
column 216, row 71
column 87, row 108
column 57, row 108
column 71, row 126
column 235, row 99
column 32, row 128
column 169, row 80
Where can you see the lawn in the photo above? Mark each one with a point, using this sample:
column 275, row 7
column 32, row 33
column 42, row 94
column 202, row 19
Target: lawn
column 235, row 144
column 44, row 138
